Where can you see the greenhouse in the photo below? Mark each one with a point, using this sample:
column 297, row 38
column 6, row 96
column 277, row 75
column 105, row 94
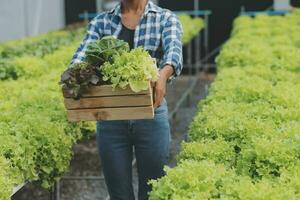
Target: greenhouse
column 149, row 99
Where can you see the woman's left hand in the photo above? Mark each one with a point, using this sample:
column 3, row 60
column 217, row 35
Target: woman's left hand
column 161, row 84
column 159, row 91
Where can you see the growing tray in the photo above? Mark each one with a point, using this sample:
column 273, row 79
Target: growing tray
column 102, row 103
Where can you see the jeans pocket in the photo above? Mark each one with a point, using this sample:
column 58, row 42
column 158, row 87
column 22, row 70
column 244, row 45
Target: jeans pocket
column 162, row 109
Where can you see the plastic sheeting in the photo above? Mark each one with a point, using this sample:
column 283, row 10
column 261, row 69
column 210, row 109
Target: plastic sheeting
column 282, row 4
column 20, row 18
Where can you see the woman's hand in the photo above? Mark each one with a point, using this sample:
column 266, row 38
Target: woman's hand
column 161, row 84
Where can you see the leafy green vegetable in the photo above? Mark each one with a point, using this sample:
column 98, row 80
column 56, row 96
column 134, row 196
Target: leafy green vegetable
column 8, row 178
column 80, row 76
column 76, row 80
column 41, row 45
column 207, row 180
column 104, row 50
column 109, row 61
column 135, row 69
column 244, row 141
column 34, row 130
column 32, row 48
column 191, row 27
column 7, row 70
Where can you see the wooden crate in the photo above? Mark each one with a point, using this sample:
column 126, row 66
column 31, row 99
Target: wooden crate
column 102, row 103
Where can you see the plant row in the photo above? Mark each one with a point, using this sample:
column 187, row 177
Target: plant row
column 245, row 139
column 13, row 53
column 35, row 137
column 191, row 27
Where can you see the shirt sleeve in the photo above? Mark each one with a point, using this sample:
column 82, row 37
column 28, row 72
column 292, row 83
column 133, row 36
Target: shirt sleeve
column 93, row 34
column 172, row 45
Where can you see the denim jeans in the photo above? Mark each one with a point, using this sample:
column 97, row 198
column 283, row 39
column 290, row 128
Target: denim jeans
column 149, row 138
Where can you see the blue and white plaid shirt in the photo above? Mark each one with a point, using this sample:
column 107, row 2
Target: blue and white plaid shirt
column 159, row 32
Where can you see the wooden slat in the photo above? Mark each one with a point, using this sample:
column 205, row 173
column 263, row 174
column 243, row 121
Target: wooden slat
column 151, row 94
column 109, row 102
column 106, row 90
column 127, row 113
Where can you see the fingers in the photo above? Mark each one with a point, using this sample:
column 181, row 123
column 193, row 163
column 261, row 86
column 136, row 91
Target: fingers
column 157, row 101
column 159, row 95
column 153, row 84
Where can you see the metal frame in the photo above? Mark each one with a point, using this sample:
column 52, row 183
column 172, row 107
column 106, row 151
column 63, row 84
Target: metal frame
column 99, row 5
column 268, row 12
column 197, row 40
column 17, row 189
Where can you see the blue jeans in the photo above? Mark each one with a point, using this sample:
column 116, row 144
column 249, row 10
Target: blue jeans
column 150, row 141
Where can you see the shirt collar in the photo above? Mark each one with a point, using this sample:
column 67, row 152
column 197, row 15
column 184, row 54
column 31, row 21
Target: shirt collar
column 150, row 7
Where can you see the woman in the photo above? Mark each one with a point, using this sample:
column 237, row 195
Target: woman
column 140, row 23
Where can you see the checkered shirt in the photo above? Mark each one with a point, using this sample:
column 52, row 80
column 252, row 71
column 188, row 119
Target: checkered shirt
column 159, row 32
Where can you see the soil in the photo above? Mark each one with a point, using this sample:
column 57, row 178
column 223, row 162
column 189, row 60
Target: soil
column 86, row 161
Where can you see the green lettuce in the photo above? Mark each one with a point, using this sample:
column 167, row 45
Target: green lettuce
column 134, row 69
column 104, row 50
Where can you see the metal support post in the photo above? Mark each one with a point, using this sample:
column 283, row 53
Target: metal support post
column 188, row 100
column 86, row 16
column 189, row 59
column 206, row 35
column 196, row 5
column 55, row 192
column 198, row 54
